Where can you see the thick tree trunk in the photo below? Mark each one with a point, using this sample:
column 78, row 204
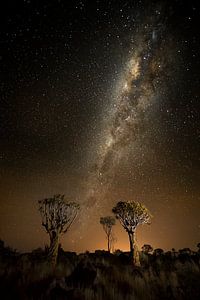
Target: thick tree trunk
column 134, row 254
column 131, row 241
column 108, row 243
column 53, row 249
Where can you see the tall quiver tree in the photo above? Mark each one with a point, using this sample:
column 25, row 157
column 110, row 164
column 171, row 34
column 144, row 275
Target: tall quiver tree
column 57, row 217
column 108, row 223
column 131, row 214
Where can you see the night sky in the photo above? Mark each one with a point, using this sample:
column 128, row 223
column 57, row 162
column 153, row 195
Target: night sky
column 100, row 101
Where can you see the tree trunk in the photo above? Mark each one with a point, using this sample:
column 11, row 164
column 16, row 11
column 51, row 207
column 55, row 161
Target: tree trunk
column 108, row 243
column 134, row 254
column 53, row 249
column 131, row 241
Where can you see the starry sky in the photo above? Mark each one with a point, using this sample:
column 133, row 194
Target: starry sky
column 100, row 102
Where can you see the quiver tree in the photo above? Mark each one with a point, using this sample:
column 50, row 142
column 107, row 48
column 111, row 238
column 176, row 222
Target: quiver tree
column 158, row 252
column 131, row 214
column 57, row 216
column 108, row 223
column 146, row 248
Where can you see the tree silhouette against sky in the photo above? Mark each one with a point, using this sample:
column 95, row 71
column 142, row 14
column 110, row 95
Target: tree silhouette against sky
column 57, row 217
column 108, row 223
column 131, row 214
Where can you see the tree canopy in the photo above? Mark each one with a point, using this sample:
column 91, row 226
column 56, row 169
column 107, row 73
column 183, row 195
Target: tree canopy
column 57, row 214
column 131, row 214
column 107, row 223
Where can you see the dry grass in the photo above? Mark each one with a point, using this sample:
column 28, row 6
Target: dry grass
column 100, row 276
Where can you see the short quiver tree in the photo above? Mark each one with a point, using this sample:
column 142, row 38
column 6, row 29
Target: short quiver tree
column 108, row 223
column 146, row 248
column 57, row 216
column 131, row 214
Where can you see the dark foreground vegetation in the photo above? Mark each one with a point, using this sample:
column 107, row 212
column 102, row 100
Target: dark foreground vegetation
column 100, row 275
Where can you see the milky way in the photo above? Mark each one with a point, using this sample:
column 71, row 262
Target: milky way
column 138, row 88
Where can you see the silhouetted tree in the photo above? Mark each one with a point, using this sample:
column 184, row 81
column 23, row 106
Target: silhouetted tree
column 185, row 251
column 6, row 250
column 57, row 216
column 108, row 223
column 147, row 249
column 158, row 252
column 131, row 214
column 174, row 253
